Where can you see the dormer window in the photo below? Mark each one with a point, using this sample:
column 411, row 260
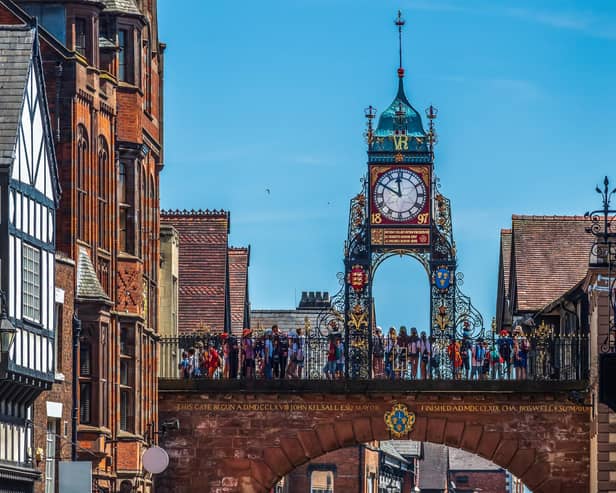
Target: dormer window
column 81, row 36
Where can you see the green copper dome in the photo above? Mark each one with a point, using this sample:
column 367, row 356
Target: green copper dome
column 400, row 117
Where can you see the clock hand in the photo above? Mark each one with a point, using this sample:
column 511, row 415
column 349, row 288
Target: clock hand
column 391, row 190
column 398, row 181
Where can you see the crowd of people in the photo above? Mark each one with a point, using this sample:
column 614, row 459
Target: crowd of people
column 399, row 354
column 411, row 355
column 276, row 355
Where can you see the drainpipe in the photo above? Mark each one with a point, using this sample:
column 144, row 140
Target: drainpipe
column 362, row 480
column 76, row 334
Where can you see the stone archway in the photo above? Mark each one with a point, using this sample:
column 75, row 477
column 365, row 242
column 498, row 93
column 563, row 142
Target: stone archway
column 245, row 442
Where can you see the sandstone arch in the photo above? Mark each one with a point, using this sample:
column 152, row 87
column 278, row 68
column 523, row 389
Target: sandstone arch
column 244, row 442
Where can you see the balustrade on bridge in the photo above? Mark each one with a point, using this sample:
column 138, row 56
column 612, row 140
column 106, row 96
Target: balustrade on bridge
column 548, row 357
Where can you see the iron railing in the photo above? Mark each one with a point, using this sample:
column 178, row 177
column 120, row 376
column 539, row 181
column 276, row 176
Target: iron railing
column 561, row 358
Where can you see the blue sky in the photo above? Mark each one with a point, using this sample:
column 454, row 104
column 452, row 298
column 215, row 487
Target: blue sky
column 270, row 95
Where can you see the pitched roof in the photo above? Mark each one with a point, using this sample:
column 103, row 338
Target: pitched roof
column 121, row 6
column 16, row 51
column 432, row 468
column 460, row 460
column 239, row 259
column 389, row 449
column 285, row 319
column 550, row 255
column 407, row 448
column 88, row 285
column 202, row 267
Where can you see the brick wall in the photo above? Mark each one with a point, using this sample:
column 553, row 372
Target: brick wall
column 471, row 481
column 61, row 392
column 249, row 441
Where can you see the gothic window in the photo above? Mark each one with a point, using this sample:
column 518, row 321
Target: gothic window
column 147, row 53
column 103, row 193
column 82, row 166
column 31, row 283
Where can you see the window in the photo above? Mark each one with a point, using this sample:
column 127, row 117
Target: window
column 104, row 374
column 127, row 378
column 85, row 381
column 126, row 233
column 322, row 482
column 102, row 269
column 31, row 283
column 82, row 166
column 85, row 401
column 81, row 36
column 50, row 456
column 103, row 193
column 123, row 55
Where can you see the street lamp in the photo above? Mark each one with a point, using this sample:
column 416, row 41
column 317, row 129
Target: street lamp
column 7, row 336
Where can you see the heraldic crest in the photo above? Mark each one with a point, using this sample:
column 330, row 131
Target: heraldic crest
column 399, row 420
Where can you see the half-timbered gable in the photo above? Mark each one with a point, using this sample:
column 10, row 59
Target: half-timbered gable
column 29, row 195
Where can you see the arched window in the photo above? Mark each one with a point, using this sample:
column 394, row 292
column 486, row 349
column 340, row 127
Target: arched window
column 103, row 193
column 82, row 166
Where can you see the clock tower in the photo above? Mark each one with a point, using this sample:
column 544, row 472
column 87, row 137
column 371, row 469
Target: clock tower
column 401, row 211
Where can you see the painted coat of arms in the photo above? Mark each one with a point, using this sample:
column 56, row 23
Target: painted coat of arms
column 399, row 420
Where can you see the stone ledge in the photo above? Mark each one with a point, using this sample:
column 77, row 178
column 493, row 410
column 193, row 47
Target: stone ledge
column 367, row 386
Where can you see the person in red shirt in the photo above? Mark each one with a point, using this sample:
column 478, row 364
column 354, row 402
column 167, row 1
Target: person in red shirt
column 213, row 360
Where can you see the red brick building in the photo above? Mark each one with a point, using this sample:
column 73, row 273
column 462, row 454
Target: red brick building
column 103, row 67
column 213, row 277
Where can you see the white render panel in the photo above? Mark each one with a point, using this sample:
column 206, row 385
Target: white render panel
column 43, row 223
column 44, row 293
column 25, row 156
column 17, row 210
column 31, row 352
column 18, row 347
column 12, row 207
column 37, row 353
column 24, row 214
column 31, row 207
column 18, row 263
column 50, row 225
column 51, row 354
column 48, row 187
column 12, row 276
column 51, row 292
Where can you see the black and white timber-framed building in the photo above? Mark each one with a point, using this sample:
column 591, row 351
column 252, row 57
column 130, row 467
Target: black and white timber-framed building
column 29, row 195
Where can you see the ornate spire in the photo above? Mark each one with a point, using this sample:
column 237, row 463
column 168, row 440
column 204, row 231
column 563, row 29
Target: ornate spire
column 400, row 23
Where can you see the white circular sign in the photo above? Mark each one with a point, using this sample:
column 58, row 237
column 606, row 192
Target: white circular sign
column 155, row 460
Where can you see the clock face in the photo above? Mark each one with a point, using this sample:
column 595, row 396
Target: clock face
column 400, row 194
